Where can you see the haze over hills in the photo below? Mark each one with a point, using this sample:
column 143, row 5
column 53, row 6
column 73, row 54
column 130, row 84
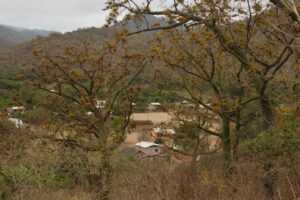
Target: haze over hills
column 10, row 35
column 15, row 55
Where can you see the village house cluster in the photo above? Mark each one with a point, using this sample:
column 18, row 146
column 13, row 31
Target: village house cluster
column 159, row 137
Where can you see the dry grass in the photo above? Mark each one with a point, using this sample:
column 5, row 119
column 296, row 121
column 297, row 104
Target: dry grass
column 163, row 179
column 157, row 179
column 160, row 180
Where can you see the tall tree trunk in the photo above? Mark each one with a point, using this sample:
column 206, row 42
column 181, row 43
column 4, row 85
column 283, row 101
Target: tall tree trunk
column 237, row 136
column 193, row 171
column 267, row 112
column 195, row 156
column 226, row 143
column 105, row 175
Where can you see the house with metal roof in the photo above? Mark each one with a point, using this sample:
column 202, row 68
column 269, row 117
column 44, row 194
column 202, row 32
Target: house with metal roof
column 148, row 149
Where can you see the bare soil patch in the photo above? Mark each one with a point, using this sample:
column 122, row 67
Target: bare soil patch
column 155, row 117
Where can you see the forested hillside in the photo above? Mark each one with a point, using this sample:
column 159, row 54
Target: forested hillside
column 15, row 57
column 170, row 100
column 10, row 36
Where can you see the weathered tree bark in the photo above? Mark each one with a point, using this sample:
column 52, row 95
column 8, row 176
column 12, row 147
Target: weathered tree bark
column 226, row 142
column 105, row 170
column 194, row 160
column 237, row 136
column 269, row 183
column 267, row 111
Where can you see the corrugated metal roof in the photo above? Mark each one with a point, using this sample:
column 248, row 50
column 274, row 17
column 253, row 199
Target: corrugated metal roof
column 18, row 107
column 167, row 131
column 145, row 145
column 155, row 103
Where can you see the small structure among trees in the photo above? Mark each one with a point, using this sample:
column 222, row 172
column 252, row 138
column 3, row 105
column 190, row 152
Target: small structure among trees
column 17, row 122
column 15, row 111
column 148, row 149
column 155, row 107
column 161, row 134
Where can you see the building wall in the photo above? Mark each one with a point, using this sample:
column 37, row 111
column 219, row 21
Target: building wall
column 150, row 151
column 154, row 108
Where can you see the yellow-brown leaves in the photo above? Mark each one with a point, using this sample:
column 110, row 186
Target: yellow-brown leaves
column 179, row 57
column 242, row 11
column 297, row 66
column 204, row 176
column 257, row 7
column 181, row 19
column 20, row 77
column 167, row 13
column 284, row 110
column 207, row 34
column 146, row 9
column 216, row 107
column 254, row 68
column 38, row 52
column 193, row 35
column 229, row 42
column 263, row 50
column 122, row 35
column 111, row 47
column 76, row 74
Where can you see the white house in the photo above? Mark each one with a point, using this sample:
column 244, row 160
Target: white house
column 155, row 106
column 148, row 149
column 164, row 131
column 17, row 122
column 100, row 104
column 163, row 134
column 15, row 110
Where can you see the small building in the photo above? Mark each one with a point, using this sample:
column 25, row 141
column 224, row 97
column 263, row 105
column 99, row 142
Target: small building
column 162, row 134
column 89, row 113
column 155, row 107
column 17, row 122
column 148, row 149
column 184, row 104
column 15, row 111
column 100, row 104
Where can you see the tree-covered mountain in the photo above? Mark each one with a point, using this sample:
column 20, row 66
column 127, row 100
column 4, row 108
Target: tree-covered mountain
column 13, row 35
column 18, row 55
column 15, row 55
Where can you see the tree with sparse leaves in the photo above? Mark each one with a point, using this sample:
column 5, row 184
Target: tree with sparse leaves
column 91, row 93
column 237, row 48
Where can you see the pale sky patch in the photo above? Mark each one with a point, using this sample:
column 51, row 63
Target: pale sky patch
column 57, row 15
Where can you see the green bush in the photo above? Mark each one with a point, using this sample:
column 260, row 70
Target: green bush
column 279, row 145
column 59, row 178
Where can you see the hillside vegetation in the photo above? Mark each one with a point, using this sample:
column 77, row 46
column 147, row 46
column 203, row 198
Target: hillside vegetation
column 182, row 101
column 10, row 36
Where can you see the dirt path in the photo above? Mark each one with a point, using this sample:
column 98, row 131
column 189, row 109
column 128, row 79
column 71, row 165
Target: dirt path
column 132, row 139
